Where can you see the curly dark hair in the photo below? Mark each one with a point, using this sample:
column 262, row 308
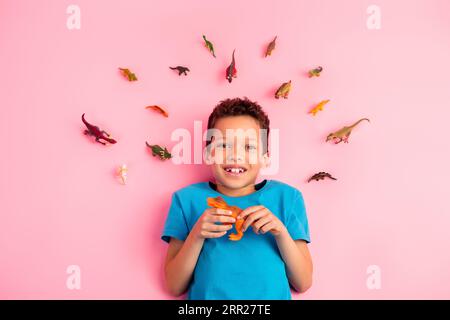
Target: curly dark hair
column 239, row 107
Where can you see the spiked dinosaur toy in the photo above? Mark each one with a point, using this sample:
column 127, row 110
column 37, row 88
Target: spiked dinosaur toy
column 344, row 133
column 97, row 133
column 219, row 203
column 321, row 176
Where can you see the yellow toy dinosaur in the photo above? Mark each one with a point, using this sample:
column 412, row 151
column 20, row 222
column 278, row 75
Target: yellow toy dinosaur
column 319, row 107
column 219, row 203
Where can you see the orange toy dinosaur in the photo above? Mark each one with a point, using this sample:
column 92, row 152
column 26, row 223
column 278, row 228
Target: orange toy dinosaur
column 219, row 203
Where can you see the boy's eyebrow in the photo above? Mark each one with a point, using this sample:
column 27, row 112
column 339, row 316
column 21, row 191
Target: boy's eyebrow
column 248, row 136
column 251, row 139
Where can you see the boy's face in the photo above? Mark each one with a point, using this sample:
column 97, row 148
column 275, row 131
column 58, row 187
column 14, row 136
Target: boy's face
column 236, row 151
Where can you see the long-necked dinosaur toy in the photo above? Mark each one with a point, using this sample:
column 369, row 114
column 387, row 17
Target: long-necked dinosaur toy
column 97, row 133
column 344, row 133
column 231, row 71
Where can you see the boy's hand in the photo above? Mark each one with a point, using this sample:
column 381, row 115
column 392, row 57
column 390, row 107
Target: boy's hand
column 205, row 226
column 262, row 220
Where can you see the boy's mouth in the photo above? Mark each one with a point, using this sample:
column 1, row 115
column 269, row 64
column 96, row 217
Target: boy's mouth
column 234, row 170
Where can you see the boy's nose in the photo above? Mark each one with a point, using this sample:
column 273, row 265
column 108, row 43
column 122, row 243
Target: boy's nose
column 236, row 155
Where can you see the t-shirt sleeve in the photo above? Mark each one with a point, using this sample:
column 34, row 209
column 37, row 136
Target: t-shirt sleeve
column 297, row 221
column 176, row 224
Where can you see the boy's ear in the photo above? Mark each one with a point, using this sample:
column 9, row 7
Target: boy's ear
column 208, row 160
column 265, row 160
column 207, row 156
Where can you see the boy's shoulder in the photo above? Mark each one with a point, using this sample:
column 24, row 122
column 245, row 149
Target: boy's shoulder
column 285, row 188
column 192, row 188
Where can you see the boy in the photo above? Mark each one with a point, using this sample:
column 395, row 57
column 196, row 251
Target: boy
column 264, row 263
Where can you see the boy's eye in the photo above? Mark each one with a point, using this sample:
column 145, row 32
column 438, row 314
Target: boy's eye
column 250, row 147
column 223, row 145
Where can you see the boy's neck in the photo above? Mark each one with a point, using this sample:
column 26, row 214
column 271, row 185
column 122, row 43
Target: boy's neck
column 236, row 192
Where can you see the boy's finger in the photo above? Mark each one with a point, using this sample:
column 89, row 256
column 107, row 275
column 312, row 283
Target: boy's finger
column 260, row 223
column 248, row 211
column 208, row 234
column 253, row 217
column 222, row 211
column 267, row 227
column 218, row 227
column 222, row 219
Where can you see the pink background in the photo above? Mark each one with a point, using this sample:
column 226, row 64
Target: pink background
column 61, row 204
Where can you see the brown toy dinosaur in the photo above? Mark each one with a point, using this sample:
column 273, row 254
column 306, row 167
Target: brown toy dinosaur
column 128, row 74
column 271, row 46
column 320, row 176
column 344, row 133
column 219, row 203
column 283, row 90
column 181, row 70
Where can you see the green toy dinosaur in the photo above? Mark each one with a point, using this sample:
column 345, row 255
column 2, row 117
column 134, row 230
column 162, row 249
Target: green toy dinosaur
column 158, row 151
column 209, row 45
column 344, row 133
column 315, row 72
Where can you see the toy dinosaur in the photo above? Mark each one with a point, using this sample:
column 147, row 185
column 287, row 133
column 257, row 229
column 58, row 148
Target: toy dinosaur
column 319, row 107
column 122, row 173
column 283, row 90
column 158, row 109
column 320, row 176
column 231, row 70
column 315, row 72
column 181, row 70
column 219, row 203
column 128, row 74
column 97, row 133
column 158, row 151
column 271, row 46
column 344, row 133
column 209, row 45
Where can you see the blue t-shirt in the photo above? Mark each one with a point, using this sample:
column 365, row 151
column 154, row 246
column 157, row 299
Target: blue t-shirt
column 251, row 268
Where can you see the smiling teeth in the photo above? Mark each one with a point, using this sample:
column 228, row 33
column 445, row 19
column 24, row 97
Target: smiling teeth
column 234, row 170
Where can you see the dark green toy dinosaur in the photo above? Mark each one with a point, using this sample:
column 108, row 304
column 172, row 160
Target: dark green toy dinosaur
column 158, row 151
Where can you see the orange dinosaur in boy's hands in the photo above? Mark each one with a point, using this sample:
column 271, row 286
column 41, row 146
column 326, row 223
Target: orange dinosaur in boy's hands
column 219, row 203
